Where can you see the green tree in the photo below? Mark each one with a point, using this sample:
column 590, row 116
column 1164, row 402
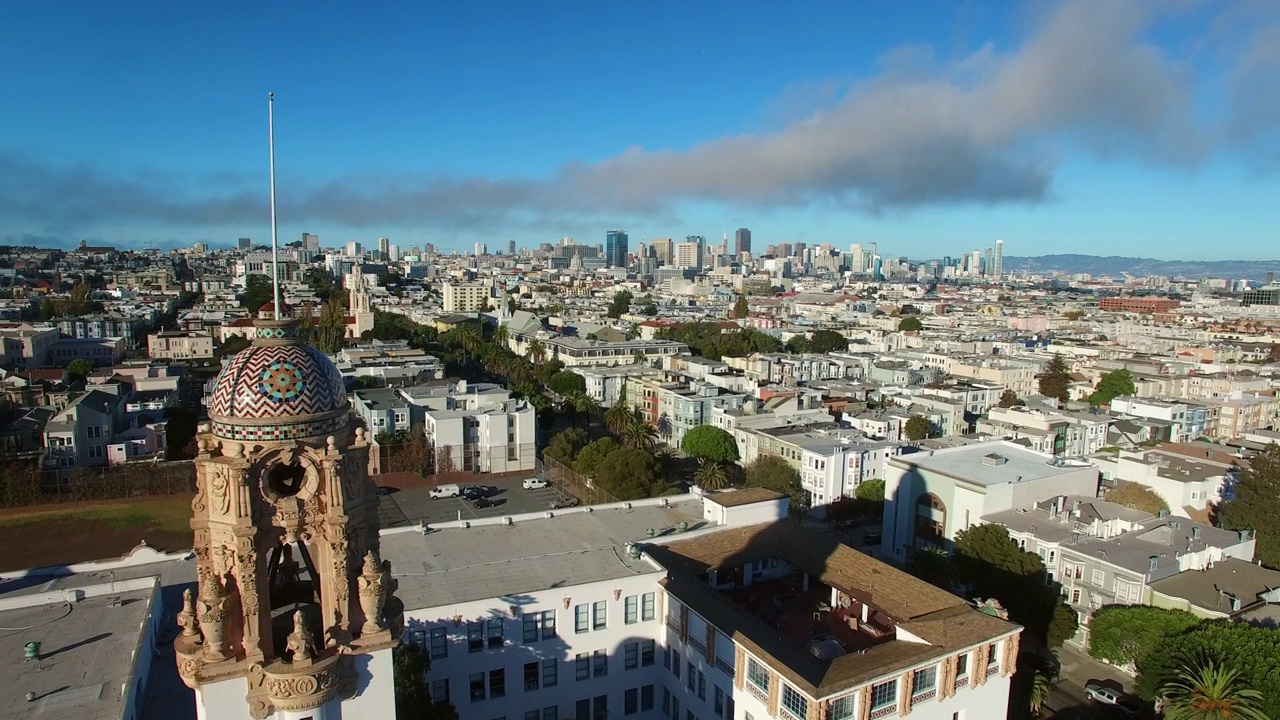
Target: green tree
column 740, row 308
column 1253, row 506
column 1123, row 634
column 825, row 341
column 1055, row 381
column 910, row 323
column 590, row 457
column 620, row 416
column 774, row 473
column 1207, row 688
column 567, row 382
column 647, row 306
column 537, row 350
column 917, row 428
column 331, row 335
column 79, row 368
column 934, row 567
column 1253, row 651
column 620, row 304
column 1114, row 384
column 1041, row 689
column 996, row 567
column 1136, row 497
column 639, row 435
column 798, row 345
column 548, row 369
column 711, row 475
column 258, row 291
column 565, row 445
column 1063, row 622
column 871, row 490
column 629, row 474
column 583, row 404
column 708, row 442
column 1008, row 399
column 410, row 664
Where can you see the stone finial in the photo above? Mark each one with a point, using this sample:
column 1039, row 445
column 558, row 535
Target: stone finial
column 301, row 640
column 373, row 593
column 187, row 618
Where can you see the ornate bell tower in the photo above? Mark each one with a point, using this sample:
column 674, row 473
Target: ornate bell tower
column 294, row 600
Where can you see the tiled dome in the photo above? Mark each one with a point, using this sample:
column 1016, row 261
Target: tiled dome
column 278, row 389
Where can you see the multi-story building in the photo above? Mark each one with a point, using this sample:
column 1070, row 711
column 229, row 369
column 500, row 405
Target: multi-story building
column 931, row 496
column 104, row 326
column 179, row 345
column 1144, row 305
column 466, row 297
column 662, row 250
column 1187, row 485
column 687, row 254
column 742, row 241
column 615, row 249
column 575, row 352
column 101, row 352
column 1016, row 375
column 78, row 435
column 1100, row 553
column 605, row 384
column 749, row 616
column 676, row 406
column 1239, row 413
column 26, row 346
column 484, row 437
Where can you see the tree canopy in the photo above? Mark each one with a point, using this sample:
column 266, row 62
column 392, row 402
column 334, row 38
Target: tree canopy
column 911, row 323
column 410, row 664
column 1008, row 399
column 871, row 490
column 332, row 333
column 824, row 341
column 710, row 341
column 79, row 367
column 1252, row 650
column 997, row 568
column 258, row 291
column 708, row 442
column 620, row 304
column 1112, row 385
column 1254, row 505
column 740, row 308
column 565, row 445
column 774, row 473
column 1123, row 634
column 566, row 382
column 1136, row 497
column 917, row 428
column 629, row 474
column 590, row 457
column 1055, row 381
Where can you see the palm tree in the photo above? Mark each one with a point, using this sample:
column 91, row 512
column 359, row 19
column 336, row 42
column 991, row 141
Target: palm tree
column 664, row 426
column 711, row 476
column 620, row 415
column 1041, row 688
column 501, row 335
column 666, row 458
column 519, row 371
column 640, row 434
column 585, row 404
column 537, row 350
column 1205, row 688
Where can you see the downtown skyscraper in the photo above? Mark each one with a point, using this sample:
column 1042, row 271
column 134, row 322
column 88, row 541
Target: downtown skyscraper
column 615, row 248
column 741, row 241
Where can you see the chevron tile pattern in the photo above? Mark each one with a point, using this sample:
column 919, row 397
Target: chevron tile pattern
column 276, row 382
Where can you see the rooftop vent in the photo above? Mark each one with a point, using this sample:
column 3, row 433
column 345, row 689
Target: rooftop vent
column 994, row 459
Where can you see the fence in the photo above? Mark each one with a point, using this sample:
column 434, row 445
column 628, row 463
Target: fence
column 569, row 482
column 23, row 487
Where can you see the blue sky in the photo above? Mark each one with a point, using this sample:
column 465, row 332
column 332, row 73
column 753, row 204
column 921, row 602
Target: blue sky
column 1133, row 128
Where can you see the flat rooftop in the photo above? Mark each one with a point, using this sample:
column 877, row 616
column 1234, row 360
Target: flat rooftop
column 86, row 655
column 452, row 564
column 987, row 464
column 1212, row 589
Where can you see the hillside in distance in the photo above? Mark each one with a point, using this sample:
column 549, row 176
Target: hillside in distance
column 1116, row 265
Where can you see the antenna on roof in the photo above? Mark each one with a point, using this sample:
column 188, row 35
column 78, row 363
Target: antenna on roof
column 275, row 250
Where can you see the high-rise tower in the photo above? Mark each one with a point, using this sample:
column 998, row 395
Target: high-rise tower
column 997, row 260
column 741, row 241
column 615, row 248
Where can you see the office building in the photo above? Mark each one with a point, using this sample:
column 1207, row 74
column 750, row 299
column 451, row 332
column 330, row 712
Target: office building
column 687, row 254
column 481, row 249
column 384, row 248
column 310, row 242
column 511, row 247
column 663, row 250
column 997, row 260
column 1262, row 296
column 615, row 248
column 353, row 249
column 742, row 241
column 244, row 244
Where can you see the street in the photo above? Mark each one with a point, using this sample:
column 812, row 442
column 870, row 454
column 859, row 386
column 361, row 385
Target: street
column 1068, row 701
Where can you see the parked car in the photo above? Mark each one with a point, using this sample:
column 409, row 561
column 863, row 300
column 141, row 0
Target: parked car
column 564, row 503
column 872, row 537
column 474, row 492
column 1101, row 693
column 445, row 491
column 534, row 483
column 483, row 502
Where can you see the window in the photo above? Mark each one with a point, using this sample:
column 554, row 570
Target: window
column 580, row 618
column 675, row 663
column 691, row 680
column 993, row 655
column 757, row 675
column 719, row 702
column 475, row 636
column 884, row 694
column 1097, row 577
column 924, row 679
column 702, row 686
column 548, row 624
column 600, row 707
column 582, row 666
column 647, row 653
column 631, row 656
column 648, row 606
column 599, row 663
column 532, row 715
column 962, row 665
column 646, row 698
column 666, row 701
column 1075, row 596
column 631, row 701
column 551, row 712
column 550, row 672
column 675, row 708
column 842, row 708
column 440, row 691
column 495, row 633
column 666, row 658
column 497, row 683
column 95, row 451
column 531, row 676
column 599, row 615
column 529, row 627
column 476, row 683
column 631, row 610
column 582, row 709
column 793, row 703
column 439, row 643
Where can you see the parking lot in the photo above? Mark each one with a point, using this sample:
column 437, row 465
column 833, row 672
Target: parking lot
column 415, row 505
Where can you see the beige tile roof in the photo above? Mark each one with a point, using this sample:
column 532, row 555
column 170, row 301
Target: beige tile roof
column 746, row 496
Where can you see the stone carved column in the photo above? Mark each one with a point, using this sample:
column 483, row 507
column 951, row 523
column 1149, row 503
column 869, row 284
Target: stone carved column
column 978, row 673
column 775, row 690
column 906, row 687
column 739, row 667
column 864, row 703
column 947, row 682
column 1010, row 664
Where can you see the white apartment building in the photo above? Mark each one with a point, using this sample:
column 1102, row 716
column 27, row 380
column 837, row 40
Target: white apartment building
column 833, row 464
column 1016, row 375
column 605, row 384
column 466, row 297
column 931, row 496
column 478, row 428
column 584, row 614
column 179, row 345
column 1187, row 485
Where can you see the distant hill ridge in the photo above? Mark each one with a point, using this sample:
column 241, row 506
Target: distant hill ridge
column 1116, row 265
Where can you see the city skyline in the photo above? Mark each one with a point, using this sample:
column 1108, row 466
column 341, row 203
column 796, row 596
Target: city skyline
column 856, row 125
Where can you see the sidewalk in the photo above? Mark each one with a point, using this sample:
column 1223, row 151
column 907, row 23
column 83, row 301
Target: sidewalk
column 1078, row 670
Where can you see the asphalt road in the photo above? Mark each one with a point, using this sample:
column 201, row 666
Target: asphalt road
column 1068, row 700
column 415, row 505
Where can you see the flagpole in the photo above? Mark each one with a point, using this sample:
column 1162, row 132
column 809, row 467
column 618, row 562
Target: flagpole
column 275, row 249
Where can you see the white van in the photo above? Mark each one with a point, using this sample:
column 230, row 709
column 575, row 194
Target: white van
column 445, row 491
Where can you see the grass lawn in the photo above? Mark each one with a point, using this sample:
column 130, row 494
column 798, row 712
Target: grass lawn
column 171, row 512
